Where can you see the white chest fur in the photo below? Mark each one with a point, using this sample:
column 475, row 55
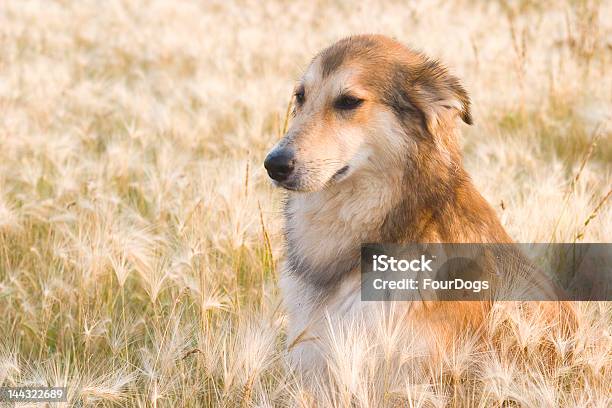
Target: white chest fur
column 326, row 229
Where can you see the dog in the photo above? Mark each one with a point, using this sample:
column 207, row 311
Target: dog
column 371, row 156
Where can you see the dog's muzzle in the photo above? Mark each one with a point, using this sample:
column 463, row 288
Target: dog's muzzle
column 280, row 164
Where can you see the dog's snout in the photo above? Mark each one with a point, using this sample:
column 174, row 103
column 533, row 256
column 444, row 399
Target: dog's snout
column 279, row 164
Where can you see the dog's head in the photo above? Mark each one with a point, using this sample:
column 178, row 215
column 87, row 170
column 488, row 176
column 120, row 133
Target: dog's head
column 367, row 102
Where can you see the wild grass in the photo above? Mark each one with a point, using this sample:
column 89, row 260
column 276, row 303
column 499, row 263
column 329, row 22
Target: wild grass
column 139, row 237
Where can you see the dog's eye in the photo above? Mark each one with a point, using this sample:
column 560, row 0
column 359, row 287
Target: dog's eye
column 299, row 96
column 347, row 102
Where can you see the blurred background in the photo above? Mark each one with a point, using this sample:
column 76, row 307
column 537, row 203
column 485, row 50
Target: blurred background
column 139, row 236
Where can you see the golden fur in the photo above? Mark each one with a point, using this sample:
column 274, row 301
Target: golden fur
column 389, row 170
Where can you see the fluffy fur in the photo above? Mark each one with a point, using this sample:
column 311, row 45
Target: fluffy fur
column 389, row 171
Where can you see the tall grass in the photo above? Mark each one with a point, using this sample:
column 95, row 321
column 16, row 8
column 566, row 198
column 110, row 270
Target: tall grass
column 140, row 240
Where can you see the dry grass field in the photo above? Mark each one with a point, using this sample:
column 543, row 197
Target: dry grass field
column 140, row 239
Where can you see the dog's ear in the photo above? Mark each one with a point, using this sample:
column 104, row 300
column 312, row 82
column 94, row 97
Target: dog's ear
column 437, row 95
column 439, row 91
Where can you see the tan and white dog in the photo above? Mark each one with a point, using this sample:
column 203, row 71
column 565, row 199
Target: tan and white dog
column 372, row 156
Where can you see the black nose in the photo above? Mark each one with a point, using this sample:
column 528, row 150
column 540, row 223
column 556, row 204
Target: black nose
column 279, row 164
